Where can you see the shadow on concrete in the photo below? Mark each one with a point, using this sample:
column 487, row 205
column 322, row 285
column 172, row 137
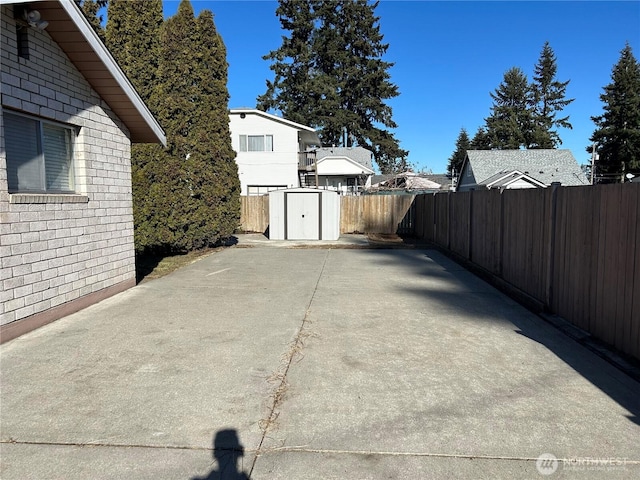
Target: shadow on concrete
column 147, row 262
column 567, row 349
column 227, row 450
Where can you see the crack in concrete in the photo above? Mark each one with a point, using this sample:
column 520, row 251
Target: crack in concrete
column 280, row 375
column 12, row 441
column 303, row 449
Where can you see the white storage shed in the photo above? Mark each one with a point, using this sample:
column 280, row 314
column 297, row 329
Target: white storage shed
column 304, row 214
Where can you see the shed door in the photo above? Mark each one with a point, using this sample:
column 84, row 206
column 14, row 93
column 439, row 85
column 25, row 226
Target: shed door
column 302, row 216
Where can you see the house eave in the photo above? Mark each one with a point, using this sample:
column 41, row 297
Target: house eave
column 275, row 118
column 72, row 32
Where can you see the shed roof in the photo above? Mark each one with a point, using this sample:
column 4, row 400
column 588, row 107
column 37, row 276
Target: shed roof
column 72, row 32
column 544, row 165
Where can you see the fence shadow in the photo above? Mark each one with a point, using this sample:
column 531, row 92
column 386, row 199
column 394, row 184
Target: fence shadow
column 611, row 381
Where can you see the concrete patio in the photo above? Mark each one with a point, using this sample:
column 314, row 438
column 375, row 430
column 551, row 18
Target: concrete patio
column 312, row 363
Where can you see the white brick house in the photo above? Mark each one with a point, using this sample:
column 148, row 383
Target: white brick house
column 67, row 120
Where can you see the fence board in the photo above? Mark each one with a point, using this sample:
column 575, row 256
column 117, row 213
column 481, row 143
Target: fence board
column 525, row 241
column 441, row 219
column 609, row 241
column 460, row 218
column 485, row 230
column 631, row 203
column 254, row 213
column 373, row 213
column 634, row 317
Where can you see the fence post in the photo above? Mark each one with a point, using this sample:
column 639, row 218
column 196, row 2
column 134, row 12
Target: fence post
column 551, row 245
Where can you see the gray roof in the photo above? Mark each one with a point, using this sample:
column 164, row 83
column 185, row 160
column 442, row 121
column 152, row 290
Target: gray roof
column 357, row 154
column 442, row 178
column 545, row 165
column 381, row 178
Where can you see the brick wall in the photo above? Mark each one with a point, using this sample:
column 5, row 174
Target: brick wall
column 58, row 248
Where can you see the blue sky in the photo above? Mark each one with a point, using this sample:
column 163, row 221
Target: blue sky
column 449, row 55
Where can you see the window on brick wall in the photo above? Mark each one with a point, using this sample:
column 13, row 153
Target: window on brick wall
column 39, row 155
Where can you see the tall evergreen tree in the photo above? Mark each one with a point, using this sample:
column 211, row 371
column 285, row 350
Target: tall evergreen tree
column 91, row 11
column 201, row 194
column 548, row 96
column 329, row 73
column 510, row 124
column 617, row 136
column 480, row 140
column 211, row 134
column 457, row 158
column 132, row 35
column 295, row 90
column 185, row 196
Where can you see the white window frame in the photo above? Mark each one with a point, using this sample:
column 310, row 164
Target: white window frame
column 40, row 147
column 246, row 146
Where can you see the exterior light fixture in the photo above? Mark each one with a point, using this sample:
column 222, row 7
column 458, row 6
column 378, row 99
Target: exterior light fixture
column 34, row 19
column 29, row 18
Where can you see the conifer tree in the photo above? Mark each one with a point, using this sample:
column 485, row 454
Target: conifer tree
column 330, row 74
column 133, row 37
column 187, row 195
column 548, row 96
column 617, row 136
column 510, row 124
column 295, row 90
column 90, row 9
column 480, row 140
column 457, row 158
column 201, row 186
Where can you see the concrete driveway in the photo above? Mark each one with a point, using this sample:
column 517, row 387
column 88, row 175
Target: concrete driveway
column 321, row 363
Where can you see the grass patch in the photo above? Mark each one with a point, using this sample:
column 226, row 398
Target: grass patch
column 150, row 267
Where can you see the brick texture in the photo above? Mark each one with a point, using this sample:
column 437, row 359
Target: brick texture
column 55, row 249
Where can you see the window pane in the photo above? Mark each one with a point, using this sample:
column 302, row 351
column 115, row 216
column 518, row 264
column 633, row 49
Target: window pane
column 256, row 143
column 57, row 158
column 243, row 143
column 269, row 143
column 24, row 162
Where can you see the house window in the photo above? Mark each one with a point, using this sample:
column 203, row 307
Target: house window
column 256, row 143
column 263, row 189
column 39, row 155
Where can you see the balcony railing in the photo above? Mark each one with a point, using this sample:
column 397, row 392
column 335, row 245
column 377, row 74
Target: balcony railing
column 307, row 161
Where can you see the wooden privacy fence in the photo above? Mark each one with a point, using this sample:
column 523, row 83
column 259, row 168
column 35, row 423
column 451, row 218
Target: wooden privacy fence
column 254, row 213
column 358, row 214
column 574, row 250
column 373, row 213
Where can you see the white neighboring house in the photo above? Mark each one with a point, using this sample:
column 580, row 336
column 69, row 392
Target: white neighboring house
column 511, row 169
column 67, row 120
column 345, row 169
column 271, row 151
